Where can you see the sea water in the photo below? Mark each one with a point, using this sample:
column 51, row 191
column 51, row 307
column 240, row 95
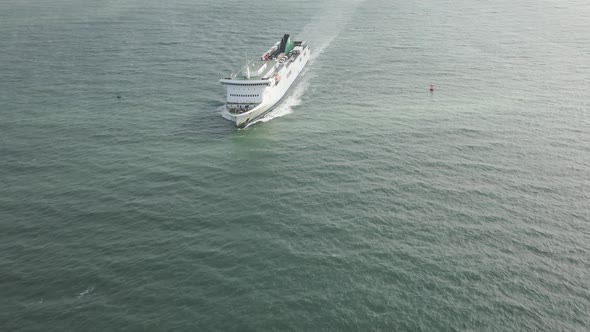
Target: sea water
column 363, row 202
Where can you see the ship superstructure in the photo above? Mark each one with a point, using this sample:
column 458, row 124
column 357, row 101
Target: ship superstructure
column 261, row 84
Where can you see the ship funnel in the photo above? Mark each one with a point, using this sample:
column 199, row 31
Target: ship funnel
column 286, row 44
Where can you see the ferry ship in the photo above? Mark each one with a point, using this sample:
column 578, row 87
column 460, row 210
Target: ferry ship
column 261, row 84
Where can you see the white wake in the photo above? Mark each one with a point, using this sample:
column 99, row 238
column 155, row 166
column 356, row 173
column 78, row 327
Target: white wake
column 293, row 99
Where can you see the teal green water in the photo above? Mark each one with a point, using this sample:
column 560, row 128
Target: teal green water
column 364, row 202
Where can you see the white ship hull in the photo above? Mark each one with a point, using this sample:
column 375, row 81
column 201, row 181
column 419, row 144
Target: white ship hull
column 250, row 98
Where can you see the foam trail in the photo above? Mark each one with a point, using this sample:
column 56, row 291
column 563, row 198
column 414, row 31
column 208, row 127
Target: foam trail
column 85, row 292
column 320, row 32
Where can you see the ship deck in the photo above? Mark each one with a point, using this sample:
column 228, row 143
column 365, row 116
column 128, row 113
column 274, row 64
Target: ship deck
column 271, row 67
column 255, row 65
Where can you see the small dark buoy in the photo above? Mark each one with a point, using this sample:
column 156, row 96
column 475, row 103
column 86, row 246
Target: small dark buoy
column 118, row 96
column 431, row 88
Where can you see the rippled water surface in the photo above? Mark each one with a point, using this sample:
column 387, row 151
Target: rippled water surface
column 364, row 202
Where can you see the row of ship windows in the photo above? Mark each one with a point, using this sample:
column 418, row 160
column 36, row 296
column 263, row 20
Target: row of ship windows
column 304, row 53
column 234, row 95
